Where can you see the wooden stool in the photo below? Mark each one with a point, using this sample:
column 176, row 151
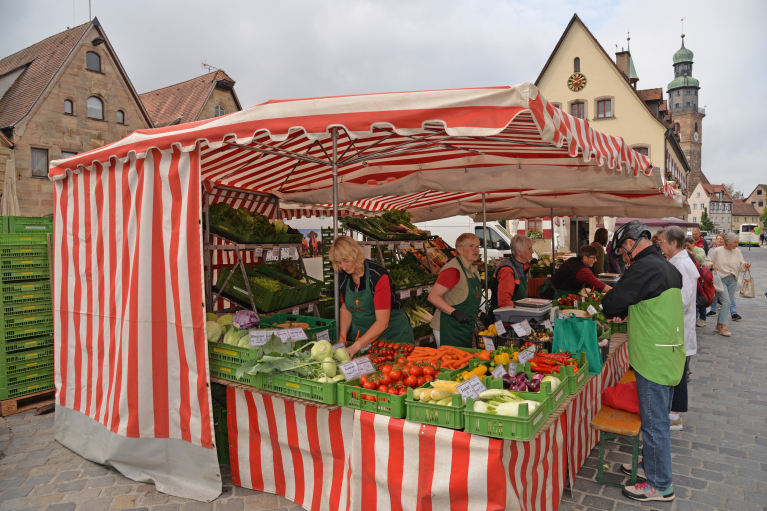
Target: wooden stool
column 611, row 424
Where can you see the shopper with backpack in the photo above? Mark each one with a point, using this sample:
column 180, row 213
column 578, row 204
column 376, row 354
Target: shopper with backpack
column 704, row 298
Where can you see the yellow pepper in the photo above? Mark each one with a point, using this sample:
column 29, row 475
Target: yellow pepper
column 515, row 357
column 493, row 329
column 502, row 359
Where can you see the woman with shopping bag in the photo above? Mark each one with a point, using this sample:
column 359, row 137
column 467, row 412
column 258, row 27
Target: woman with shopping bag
column 728, row 262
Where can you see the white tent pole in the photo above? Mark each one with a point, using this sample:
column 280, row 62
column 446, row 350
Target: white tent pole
column 484, row 234
column 553, row 250
column 335, row 220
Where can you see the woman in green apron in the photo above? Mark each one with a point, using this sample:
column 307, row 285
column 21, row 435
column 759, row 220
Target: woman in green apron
column 369, row 308
column 509, row 282
column 573, row 275
column 457, row 295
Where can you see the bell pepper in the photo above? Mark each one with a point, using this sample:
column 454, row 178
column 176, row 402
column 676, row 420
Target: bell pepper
column 502, row 359
column 515, row 357
column 484, row 355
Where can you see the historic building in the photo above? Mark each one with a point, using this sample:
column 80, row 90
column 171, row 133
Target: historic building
column 743, row 212
column 758, row 199
column 64, row 95
column 716, row 201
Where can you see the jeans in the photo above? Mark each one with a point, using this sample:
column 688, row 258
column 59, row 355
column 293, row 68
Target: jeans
column 730, row 287
column 733, row 305
column 702, row 313
column 654, row 407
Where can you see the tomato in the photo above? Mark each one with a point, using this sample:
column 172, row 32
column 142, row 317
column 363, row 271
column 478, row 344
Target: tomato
column 429, row 371
column 420, row 381
column 385, row 380
column 369, row 386
column 383, row 388
column 410, row 348
column 428, row 377
column 402, row 392
column 370, row 398
column 364, row 380
column 416, row 371
column 386, row 368
column 395, row 375
column 402, row 360
column 411, row 382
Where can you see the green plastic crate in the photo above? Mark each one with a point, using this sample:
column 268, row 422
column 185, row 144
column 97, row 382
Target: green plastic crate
column 226, row 371
column 27, row 355
column 387, row 404
column 427, row 413
column 16, row 290
column 449, row 374
column 28, row 224
column 16, row 252
column 620, row 328
column 554, row 398
column 23, row 263
column 22, row 297
column 13, row 373
column 521, row 428
column 7, row 347
column 25, row 331
column 19, row 274
column 34, row 382
column 301, row 291
column 316, row 325
column 27, row 376
column 265, row 300
column 25, row 309
column 22, row 239
column 221, row 428
column 577, row 380
column 27, row 320
column 298, row 387
column 230, row 354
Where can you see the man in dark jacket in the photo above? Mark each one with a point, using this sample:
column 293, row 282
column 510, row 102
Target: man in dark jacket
column 650, row 294
column 700, row 241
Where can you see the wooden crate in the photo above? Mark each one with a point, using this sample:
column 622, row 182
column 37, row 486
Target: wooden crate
column 26, row 402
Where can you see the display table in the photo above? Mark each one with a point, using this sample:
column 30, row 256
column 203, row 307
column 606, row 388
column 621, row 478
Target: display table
column 329, row 458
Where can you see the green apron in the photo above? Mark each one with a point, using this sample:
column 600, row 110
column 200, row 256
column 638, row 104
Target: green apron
column 451, row 332
column 521, row 291
column 361, row 304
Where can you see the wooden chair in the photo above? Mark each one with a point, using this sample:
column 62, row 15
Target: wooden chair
column 612, row 424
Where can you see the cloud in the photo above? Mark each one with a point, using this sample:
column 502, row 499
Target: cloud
column 296, row 49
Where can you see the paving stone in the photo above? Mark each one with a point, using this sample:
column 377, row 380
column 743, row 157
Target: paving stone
column 11, row 483
column 121, row 502
column 82, row 495
column 69, row 506
column 72, row 486
column 167, row 507
column 686, row 505
column 707, row 475
column 232, row 504
column 101, row 504
column 96, row 471
column 153, row 498
column 114, row 491
column 67, row 476
column 15, row 493
column 741, row 505
column 44, row 500
column 32, row 463
column 268, row 501
column 101, row 482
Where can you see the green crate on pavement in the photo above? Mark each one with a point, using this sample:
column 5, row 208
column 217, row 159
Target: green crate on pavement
column 23, row 297
column 437, row 415
column 8, row 347
column 15, row 274
column 298, row 387
column 316, row 325
column 27, row 224
column 13, row 373
column 522, row 428
column 370, row 400
column 34, row 382
column 27, row 355
column 41, row 319
column 25, row 331
column 226, row 371
column 27, row 308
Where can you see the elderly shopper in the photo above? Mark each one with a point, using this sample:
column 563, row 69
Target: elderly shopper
column 600, row 242
column 457, row 295
column 650, row 294
column 699, row 256
column 718, row 242
column 509, row 282
column 728, row 261
column 671, row 241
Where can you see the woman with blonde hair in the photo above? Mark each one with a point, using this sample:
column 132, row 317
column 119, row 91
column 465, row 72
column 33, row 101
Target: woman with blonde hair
column 369, row 307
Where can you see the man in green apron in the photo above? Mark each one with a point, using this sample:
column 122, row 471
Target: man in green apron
column 509, row 282
column 457, row 295
column 573, row 275
column 370, row 309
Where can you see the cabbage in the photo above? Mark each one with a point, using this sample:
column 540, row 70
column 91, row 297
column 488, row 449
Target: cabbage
column 322, row 350
column 213, row 331
column 245, row 320
column 329, row 367
column 225, row 320
column 341, row 355
column 232, row 337
column 211, row 317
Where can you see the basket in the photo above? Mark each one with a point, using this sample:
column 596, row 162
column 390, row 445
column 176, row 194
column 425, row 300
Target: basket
column 226, row 371
column 15, row 288
column 27, row 355
column 351, row 396
column 437, row 415
column 316, row 325
column 230, row 354
column 298, row 387
column 22, row 239
column 34, row 382
column 265, row 300
column 555, row 398
column 521, row 428
column 17, row 371
column 18, row 274
column 7, row 347
column 301, row 290
column 15, row 252
column 27, row 321
column 27, row 224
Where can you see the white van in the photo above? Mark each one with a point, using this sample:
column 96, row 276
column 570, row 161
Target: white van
column 450, row 228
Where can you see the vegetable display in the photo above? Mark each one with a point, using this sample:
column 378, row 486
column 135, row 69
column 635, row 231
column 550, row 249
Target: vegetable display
column 245, row 320
column 440, row 393
column 503, row 402
column 315, row 360
column 391, row 225
column 551, row 363
column 444, row 357
column 383, row 351
column 408, row 275
column 397, row 378
column 292, row 269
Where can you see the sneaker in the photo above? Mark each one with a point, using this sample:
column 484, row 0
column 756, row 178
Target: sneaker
column 645, row 492
column 736, row 317
column 626, row 469
column 724, row 331
column 711, row 313
column 700, row 323
column 676, row 425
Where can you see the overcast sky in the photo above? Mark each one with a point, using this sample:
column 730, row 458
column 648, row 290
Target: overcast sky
column 290, row 49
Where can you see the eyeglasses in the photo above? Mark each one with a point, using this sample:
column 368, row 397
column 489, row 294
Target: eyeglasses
column 661, row 240
column 470, row 246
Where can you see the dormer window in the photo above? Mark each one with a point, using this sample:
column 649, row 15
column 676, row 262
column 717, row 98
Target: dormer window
column 219, row 111
column 93, row 61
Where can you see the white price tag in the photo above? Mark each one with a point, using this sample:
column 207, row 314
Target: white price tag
column 349, row 370
column 513, row 367
column 259, row 251
column 499, row 327
column 297, row 334
column 419, row 291
column 325, row 336
column 519, row 329
column 365, row 366
column 404, row 295
column 404, row 246
column 547, row 324
column 575, row 304
column 600, row 306
column 390, row 246
column 259, row 337
column 419, row 245
column 339, row 344
column 295, row 311
column 311, row 308
column 561, row 316
column 276, row 252
column 527, row 327
column 591, row 310
column 284, row 335
column 489, row 344
column 471, row 388
column 525, row 356
column 499, row 371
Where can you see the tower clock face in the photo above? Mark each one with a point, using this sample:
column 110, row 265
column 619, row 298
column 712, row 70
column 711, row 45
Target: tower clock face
column 576, row 82
column 696, row 136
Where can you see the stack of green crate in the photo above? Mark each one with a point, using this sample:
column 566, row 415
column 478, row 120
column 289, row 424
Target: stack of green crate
column 26, row 312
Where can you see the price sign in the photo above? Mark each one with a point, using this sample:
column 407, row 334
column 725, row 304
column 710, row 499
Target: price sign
column 404, row 246
column 390, row 246
column 339, row 344
column 471, row 388
column 311, row 308
column 600, row 306
column 489, row 344
column 259, row 337
column 404, row 295
column 276, row 252
column 575, row 304
column 284, row 335
column 365, row 366
column 499, row 327
column 419, row 291
column 419, row 245
column 591, row 310
column 527, row 327
column 547, row 324
column 519, row 329
column 525, row 356
column 295, row 311
column 349, row 370
column 499, row 371
column 259, row 251
column 297, row 334
column 561, row 316
column 325, row 336
column 513, row 367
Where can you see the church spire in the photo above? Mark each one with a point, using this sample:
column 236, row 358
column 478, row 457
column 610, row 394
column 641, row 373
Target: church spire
column 633, row 78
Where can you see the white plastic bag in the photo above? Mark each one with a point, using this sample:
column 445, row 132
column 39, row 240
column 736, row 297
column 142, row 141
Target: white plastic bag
column 718, row 282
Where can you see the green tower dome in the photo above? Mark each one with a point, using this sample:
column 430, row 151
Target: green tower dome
column 683, row 81
column 683, row 54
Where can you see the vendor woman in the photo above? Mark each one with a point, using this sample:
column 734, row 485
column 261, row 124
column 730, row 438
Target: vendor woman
column 457, row 295
column 509, row 282
column 574, row 275
column 369, row 308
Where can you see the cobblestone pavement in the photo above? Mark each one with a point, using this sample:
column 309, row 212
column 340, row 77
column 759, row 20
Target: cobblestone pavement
column 720, row 458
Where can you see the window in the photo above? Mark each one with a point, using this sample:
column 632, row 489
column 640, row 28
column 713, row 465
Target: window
column 642, row 150
column 694, row 219
column 753, row 203
column 93, row 61
column 577, row 110
column 95, row 108
column 535, row 224
column 694, row 206
column 557, row 105
column 67, row 154
column 687, row 104
column 676, row 105
column 577, row 65
column 496, row 241
column 677, row 93
column 39, row 162
column 68, row 107
column 698, row 194
column 219, row 110
column 687, row 93
column 696, row 127
column 120, row 117
column 761, row 204
column 604, row 108
column 759, row 191
column 702, row 206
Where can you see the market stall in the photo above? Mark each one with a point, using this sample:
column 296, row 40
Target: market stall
column 132, row 374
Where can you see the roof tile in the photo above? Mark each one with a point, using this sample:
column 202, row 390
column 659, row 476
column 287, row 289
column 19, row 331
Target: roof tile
column 651, row 94
column 743, row 208
column 184, row 100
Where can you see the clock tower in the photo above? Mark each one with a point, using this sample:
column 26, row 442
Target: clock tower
column 686, row 114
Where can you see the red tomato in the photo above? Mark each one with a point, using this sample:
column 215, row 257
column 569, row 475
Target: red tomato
column 394, row 392
column 402, row 361
column 371, row 398
column 421, row 380
column 410, row 348
column 428, row 377
column 385, row 380
column 386, row 368
column 383, row 388
column 369, row 386
column 364, row 380
column 402, row 391
column 395, row 375
column 428, row 371
column 416, row 371
column 411, row 382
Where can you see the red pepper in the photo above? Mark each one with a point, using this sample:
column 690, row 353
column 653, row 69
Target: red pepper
column 542, row 368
